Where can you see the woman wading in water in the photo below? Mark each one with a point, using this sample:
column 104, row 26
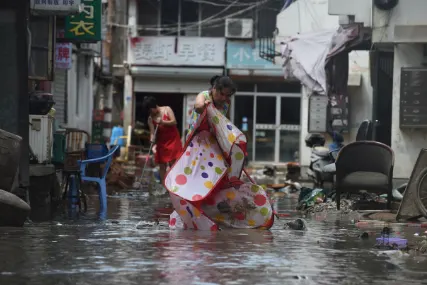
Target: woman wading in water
column 204, row 184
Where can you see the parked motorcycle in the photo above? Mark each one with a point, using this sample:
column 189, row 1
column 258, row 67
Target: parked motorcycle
column 322, row 156
column 322, row 165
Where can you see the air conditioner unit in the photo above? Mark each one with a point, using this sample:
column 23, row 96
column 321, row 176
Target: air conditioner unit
column 238, row 28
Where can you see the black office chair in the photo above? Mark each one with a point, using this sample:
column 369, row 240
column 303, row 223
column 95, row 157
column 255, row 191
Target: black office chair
column 365, row 165
column 365, row 131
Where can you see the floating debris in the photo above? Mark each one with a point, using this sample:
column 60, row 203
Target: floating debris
column 298, row 225
column 364, row 235
column 146, row 225
column 346, row 206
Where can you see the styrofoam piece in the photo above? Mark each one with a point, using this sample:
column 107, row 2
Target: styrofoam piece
column 393, row 241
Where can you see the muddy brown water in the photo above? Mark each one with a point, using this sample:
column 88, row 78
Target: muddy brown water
column 128, row 249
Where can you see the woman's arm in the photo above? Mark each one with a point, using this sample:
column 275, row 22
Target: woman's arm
column 151, row 127
column 172, row 119
column 201, row 103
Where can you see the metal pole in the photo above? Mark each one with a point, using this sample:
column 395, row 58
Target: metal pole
column 146, row 161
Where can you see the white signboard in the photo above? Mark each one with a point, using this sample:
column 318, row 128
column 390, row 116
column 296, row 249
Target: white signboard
column 55, row 7
column 63, row 55
column 182, row 51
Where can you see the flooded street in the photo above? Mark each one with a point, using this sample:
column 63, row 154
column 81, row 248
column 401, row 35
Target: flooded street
column 129, row 249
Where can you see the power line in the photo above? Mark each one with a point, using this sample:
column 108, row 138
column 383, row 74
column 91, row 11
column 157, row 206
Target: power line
column 212, row 20
column 207, row 23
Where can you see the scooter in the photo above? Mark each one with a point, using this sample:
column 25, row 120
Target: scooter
column 322, row 156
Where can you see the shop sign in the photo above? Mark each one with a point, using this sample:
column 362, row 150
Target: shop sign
column 181, row 51
column 63, row 55
column 55, row 7
column 60, row 33
column 85, row 26
column 245, row 55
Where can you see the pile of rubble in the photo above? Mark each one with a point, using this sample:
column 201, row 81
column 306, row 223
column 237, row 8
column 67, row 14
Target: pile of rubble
column 346, row 206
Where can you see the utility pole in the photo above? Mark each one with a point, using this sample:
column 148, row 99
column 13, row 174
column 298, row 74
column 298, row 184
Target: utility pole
column 107, row 86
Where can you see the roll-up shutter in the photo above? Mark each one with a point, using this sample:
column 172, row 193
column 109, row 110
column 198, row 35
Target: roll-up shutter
column 60, row 95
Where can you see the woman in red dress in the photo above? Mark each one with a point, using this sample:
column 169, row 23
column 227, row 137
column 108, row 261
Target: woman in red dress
column 168, row 146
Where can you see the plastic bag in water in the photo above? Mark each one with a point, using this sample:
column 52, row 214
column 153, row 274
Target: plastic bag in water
column 316, row 196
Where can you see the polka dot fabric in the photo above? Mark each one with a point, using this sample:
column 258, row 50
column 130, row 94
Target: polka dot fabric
column 237, row 162
column 241, row 206
column 198, row 170
column 205, row 186
column 188, row 216
column 229, row 137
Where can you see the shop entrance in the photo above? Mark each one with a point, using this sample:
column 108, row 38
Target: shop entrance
column 383, row 95
column 173, row 100
column 271, row 123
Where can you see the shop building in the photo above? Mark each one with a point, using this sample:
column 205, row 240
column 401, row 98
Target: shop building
column 173, row 78
column 265, row 102
column 398, row 60
column 174, row 62
column 310, row 16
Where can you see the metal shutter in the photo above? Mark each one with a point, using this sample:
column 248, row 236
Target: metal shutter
column 59, row 95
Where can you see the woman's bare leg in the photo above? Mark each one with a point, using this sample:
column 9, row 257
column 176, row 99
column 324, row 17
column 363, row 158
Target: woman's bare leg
column 162, row 171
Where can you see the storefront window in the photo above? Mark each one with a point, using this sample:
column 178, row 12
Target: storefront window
column 244, row 118
column 265, row 128
column 275, row 130
column 289, row 146
column 265, row 144
column 290, row 111
column 42, row 51
column 266, row 110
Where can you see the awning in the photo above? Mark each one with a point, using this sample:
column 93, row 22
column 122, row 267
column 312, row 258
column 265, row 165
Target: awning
column 175, row 72
column 181, row 80
column 256, row 72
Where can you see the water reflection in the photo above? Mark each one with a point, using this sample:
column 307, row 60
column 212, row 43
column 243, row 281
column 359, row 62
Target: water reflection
column 115, row 251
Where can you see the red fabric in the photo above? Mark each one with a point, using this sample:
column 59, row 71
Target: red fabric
column 204, row 125
column 168, row 142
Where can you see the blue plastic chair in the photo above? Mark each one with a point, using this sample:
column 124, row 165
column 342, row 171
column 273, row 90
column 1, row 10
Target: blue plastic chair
column 107, row 159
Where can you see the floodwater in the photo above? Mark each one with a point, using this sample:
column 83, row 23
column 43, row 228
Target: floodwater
column 128, row 248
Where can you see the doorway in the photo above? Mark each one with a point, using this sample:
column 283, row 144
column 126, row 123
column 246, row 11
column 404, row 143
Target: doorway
column 383, row 95
column 271, row 123
column 175, row 101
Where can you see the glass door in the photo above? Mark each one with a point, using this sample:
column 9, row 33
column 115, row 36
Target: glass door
column 267, row 120
column 271, row 123
column 277, row 128
column 289, row 128
column 243, row 114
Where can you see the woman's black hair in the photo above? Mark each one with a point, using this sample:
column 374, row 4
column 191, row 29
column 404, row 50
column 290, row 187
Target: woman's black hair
column 213, row 80
column 222, row 82
column 149, row 103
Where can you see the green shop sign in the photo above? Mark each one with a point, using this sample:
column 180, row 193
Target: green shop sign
column 85, row 26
